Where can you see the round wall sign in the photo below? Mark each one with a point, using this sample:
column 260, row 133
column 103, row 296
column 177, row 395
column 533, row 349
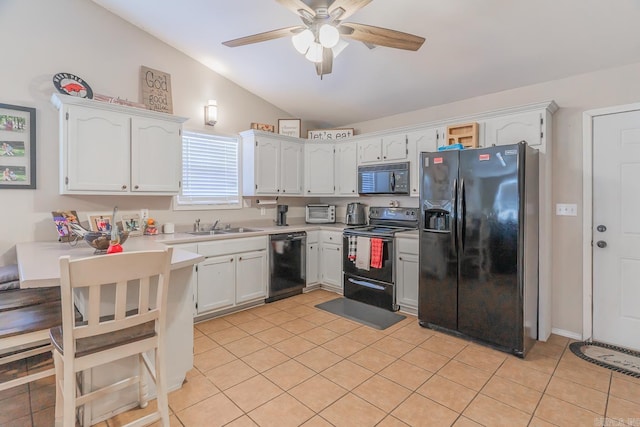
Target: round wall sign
column 72, row 85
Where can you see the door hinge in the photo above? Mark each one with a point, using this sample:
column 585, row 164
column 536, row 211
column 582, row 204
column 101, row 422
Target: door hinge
column 66, row 115
column 180, row 132
column 256, row 186
column 196, row 268
column 66, row 180
column 256, row 142
column 179, row 184
column 196, row 305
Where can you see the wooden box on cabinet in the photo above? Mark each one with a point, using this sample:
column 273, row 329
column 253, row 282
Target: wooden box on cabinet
column 465, row 134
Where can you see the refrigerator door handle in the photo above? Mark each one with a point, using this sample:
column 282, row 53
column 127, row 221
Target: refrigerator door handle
column 461, row 216
column 454, row 215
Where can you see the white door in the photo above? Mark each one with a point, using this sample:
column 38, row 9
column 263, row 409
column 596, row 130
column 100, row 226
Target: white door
column 216, row 283
column 291, row 158
column 318, row 169
column 616, row 229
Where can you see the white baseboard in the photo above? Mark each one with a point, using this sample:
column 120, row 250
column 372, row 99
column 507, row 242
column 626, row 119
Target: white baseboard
column 567, row 334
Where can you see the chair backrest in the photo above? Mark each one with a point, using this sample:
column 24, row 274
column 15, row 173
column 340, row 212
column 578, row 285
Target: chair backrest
column 115, row 291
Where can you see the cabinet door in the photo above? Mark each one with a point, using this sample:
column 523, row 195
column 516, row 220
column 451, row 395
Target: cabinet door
column 331, row 265
column 426, row 140
column 267, row 166
column 394, row 148
column 346, row 169
column 319, row 163
column 156, row 156
column 291, row 163
column 312, row 262
column 370, row 150
column 407, row 280
column 216, row 283
column 251, row 276
column 97, row 150
column 515, row 128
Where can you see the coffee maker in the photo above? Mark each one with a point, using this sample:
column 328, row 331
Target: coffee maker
column 281, row 219
column 355, row 214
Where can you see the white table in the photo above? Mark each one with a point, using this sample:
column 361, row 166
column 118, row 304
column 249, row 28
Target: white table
column 38, row 265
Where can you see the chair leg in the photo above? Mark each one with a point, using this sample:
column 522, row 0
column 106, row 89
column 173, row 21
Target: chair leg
column 69, row 396
column 57, row 363
column 143, row 387
column 161, row 387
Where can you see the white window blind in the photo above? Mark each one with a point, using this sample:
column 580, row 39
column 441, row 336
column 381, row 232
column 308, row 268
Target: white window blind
column 209, row 170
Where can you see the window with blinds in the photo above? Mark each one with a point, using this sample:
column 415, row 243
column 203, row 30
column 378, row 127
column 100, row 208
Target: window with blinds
column 209, row 171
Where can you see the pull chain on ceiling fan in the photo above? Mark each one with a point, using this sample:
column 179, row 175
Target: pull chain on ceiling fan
column 320, row 39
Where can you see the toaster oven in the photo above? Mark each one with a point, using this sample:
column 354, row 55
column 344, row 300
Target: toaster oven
column 320, row 214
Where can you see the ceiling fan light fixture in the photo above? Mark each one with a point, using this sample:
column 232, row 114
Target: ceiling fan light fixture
column 314, row 54
column 328, row 35
column 302, row 41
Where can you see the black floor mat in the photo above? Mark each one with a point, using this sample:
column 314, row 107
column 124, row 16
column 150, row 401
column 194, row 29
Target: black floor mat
column 366, row 314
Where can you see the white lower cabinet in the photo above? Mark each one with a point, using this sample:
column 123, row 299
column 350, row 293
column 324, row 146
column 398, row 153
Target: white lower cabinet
column 313, row 252
column 407, row 274
column 331, row 259
column 234, row 272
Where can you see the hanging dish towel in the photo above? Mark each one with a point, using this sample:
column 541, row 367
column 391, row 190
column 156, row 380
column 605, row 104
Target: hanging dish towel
column 351, row 255
column 376, row 252
column 363, row 255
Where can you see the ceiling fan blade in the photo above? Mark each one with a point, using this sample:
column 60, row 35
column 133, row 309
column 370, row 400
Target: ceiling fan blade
column 262, row 37
column 326, row 65
column 296, row 5
column 381, row 36
column 349, row 6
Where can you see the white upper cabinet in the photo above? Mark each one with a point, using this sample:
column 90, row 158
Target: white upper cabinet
column 271, row 164
column 108, row 149
column 153, row 156
column 389, row 148
column 514, row 128
column 346, row 172
column 319, row 169
column 423, row 140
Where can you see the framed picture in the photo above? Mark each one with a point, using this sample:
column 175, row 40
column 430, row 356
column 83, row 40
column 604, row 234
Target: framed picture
column 289, row 127
column 100, row 222
column 132, row 224
column 61, row 219
column 17, row 146
column 330, row 134
column 263, row 126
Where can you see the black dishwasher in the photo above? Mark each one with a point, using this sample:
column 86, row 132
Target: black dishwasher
column 287, row 264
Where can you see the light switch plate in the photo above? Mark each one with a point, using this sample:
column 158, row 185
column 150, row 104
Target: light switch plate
column 566, row 209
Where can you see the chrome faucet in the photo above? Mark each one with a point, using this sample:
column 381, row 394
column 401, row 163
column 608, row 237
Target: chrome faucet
column 215, row 224
column 196, row 225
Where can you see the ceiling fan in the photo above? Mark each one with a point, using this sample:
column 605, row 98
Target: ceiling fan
column 320, row 38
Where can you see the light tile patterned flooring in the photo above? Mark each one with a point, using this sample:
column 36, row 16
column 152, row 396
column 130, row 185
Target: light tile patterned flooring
column 288, row 364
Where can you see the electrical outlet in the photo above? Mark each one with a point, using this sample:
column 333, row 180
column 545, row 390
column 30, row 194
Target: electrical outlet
column 566, row 209
column 263, row 211
column 144, row 214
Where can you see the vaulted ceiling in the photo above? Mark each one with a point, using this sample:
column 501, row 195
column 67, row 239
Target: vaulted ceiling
column 473, row 47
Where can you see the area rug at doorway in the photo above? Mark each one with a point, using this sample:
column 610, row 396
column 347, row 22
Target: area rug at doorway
column 608, row 356
column 366, row 314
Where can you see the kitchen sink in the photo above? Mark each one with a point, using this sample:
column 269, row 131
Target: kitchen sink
column 238, row 230
column 205, row 232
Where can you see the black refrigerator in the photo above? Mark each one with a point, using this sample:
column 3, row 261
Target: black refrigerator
column 479, row 245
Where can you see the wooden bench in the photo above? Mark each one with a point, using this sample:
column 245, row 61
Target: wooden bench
column 26, row 316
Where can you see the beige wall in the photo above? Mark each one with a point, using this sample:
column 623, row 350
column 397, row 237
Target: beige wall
column 43, row 37
column 573, row 95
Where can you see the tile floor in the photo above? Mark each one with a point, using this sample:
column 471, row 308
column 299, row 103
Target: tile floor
column 289, row 364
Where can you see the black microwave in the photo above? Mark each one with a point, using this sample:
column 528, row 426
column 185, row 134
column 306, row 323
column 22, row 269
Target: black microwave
column 389, row 178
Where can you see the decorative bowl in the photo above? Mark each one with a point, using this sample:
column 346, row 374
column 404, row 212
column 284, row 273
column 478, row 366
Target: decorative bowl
column 100, row 240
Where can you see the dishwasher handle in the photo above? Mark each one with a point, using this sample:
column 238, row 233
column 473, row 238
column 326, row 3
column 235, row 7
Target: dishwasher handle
column 298, row 235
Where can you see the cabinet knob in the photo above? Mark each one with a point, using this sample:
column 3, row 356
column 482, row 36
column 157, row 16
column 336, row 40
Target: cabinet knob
column 231, row 260
column 284, row 191
column 400, row 258
column 384, row 157
column 136, row 187
column 378, row 157
column 338, row 249
column 240, row 259
column 308, row 191
column 124, row 187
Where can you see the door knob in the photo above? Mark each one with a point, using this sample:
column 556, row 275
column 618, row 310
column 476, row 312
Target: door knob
column 601, row 244
column 601, row 228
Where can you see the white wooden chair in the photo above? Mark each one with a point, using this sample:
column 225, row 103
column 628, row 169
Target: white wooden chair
column 132, row 328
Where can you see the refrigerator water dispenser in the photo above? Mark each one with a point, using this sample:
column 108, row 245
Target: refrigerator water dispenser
column 437, row 219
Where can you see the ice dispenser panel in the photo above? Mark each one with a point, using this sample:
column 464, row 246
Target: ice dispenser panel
column 437, row 220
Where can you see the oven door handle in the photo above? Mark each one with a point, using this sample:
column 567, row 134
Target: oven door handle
column 366, row 284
